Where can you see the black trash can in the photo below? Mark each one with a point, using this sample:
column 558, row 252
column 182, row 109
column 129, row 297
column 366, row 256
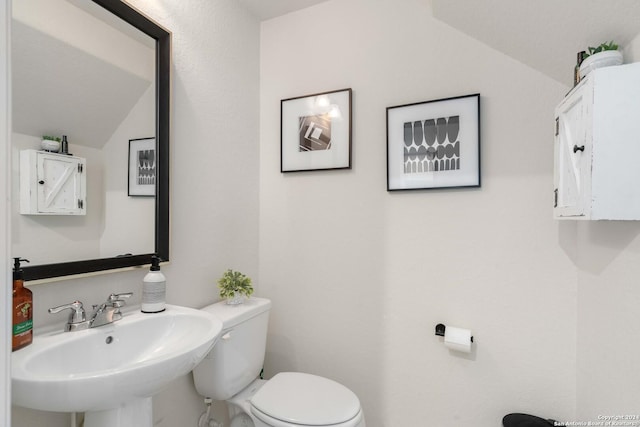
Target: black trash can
column 524, row 420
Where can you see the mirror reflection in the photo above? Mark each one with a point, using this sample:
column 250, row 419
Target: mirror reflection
column 81, row 72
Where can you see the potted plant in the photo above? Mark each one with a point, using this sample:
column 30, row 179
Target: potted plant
column 50, row 143
column 234, row 287
column 604, row 55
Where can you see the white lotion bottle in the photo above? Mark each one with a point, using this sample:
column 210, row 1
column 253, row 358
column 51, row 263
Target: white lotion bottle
column 154, row 289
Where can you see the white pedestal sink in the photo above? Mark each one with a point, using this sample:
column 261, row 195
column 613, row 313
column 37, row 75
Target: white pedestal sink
column 111, row 372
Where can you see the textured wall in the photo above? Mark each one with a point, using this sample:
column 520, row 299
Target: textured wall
column 359, row 277
column 606, row 256
column 214, row 180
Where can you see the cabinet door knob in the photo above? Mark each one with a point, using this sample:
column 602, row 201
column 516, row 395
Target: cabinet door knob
column 576, row 148
column 41, row 182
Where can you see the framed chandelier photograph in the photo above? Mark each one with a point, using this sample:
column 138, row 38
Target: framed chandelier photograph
column 315, row 132
column 434, row 144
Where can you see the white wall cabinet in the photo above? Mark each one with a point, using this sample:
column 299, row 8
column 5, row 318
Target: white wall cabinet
column 52, row 184
column 597, row 147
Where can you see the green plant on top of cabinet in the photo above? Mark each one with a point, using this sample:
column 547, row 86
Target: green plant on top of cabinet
column 604, row 55
column 591, row 50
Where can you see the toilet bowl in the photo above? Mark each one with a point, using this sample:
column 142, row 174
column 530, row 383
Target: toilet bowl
column 289, row 399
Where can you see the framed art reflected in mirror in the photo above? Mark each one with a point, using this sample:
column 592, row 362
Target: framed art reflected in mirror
column 142, row 167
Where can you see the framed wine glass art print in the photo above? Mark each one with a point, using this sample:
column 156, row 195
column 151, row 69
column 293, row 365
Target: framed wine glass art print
column 434, row 144
column 142, row 167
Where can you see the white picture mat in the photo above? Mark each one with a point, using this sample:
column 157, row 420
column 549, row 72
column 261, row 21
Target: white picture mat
column 339, row 155
column 467, row 175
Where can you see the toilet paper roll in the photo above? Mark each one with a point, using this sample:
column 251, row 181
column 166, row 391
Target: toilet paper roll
column 458, row 339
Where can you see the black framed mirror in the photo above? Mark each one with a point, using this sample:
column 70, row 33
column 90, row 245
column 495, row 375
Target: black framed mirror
column 162, row 129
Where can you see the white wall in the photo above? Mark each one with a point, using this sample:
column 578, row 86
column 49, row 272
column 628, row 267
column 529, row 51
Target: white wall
column 606, row 256
column 359, row 277
column 631, row 52
column 127, row 226
column 5, row 214
column 608, row 374
column 214, row 180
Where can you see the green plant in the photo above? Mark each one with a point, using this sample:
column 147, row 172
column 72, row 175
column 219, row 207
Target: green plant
column 603, row 46
column 233, row 282
column 51, row 138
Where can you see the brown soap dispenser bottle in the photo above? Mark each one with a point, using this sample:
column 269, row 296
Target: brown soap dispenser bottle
column 22, row 309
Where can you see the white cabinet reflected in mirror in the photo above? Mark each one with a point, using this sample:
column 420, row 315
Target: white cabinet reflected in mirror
column 52, row 183
column 98, row 72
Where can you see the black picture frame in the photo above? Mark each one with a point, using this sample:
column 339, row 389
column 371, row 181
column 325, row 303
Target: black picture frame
column 434, row 144
column 142, row 170
column 315, row 132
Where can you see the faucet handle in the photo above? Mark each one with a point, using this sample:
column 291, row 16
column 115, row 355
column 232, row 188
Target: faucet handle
column 117, row 300
column 117, row 297
column 78, row 315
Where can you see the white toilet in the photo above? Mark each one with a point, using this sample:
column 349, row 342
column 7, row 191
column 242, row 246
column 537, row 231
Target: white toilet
column 289, row 399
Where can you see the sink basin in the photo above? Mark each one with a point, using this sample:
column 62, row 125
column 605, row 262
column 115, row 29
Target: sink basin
column 112, row 366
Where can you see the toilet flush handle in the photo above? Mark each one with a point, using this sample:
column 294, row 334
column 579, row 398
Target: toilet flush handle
column 226, row 336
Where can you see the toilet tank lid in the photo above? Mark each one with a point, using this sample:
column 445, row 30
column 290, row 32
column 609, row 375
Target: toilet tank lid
column 306, row 399
column 232, row 314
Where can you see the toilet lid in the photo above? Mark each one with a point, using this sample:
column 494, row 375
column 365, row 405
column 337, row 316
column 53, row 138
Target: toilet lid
column 306, row 399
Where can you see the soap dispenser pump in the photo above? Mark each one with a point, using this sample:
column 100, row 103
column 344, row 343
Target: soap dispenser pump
column 154, row 288
column 22, row 333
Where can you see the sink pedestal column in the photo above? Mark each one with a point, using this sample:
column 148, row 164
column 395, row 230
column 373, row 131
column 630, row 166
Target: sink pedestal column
column 138, row 412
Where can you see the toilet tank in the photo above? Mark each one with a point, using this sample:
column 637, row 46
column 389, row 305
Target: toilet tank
column 238, row 356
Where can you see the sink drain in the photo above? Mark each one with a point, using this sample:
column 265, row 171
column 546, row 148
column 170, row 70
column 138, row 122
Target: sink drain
column 109, row 340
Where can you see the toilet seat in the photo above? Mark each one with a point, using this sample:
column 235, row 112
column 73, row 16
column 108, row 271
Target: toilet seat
column 299, row 399
column 357, row 421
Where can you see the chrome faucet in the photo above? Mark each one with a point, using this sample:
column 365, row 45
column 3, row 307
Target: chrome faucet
column 109, row 311
column 103, row 314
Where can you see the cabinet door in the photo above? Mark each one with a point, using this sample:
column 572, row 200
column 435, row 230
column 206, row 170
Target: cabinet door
column 60, row 185
column 572, row 155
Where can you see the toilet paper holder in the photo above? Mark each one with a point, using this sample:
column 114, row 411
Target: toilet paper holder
column 440, row 328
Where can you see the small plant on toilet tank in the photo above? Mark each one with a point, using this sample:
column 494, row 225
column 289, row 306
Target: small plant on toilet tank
column 234, row 287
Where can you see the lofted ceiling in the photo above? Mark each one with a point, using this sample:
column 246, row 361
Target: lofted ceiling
column 543, row 34
column 76, row 70
column 82, row 96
